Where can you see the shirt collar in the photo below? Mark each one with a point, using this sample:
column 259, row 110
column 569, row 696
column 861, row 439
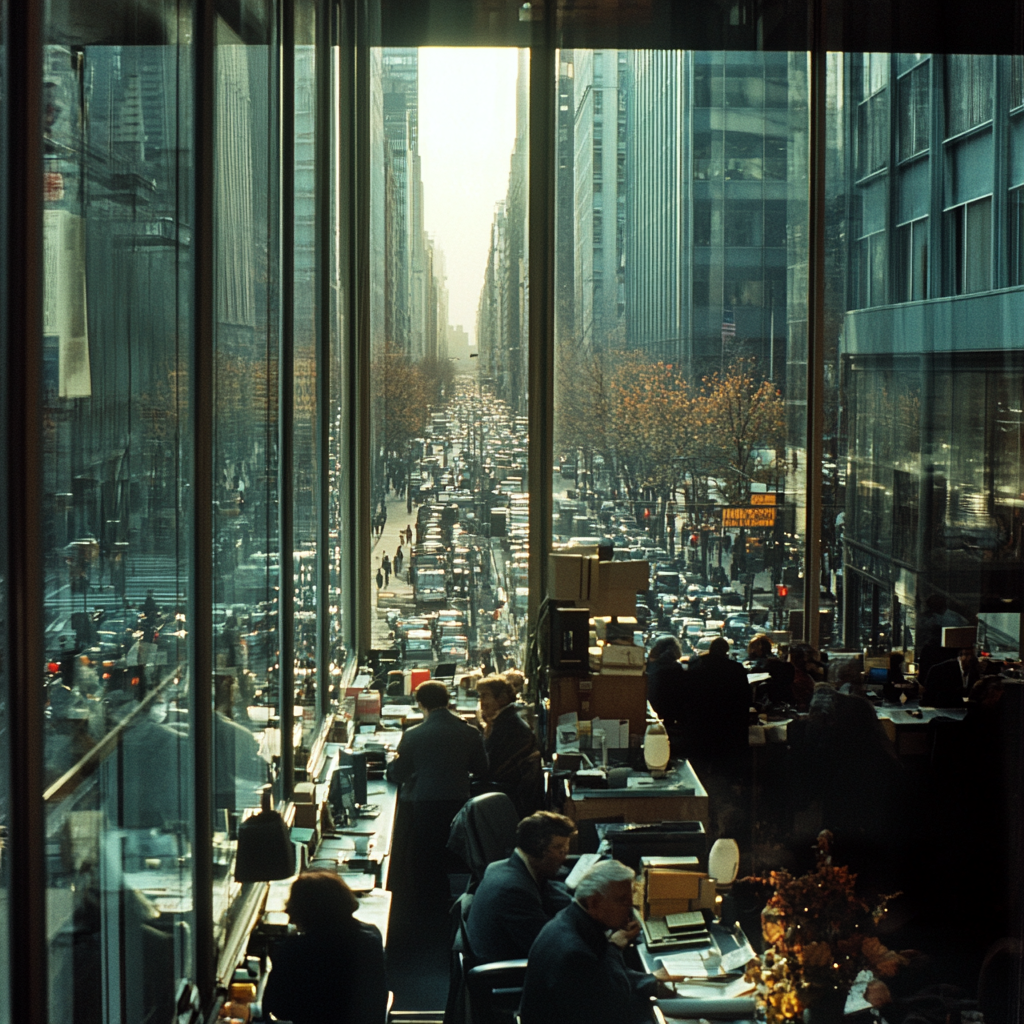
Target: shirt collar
column 529, row 866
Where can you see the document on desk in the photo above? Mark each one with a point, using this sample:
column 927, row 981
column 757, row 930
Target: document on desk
column 696, row 964
column 731, row 989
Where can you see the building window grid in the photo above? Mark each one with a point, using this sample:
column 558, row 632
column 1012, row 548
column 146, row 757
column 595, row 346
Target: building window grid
column 914, row 112
column 969, row 247
column 969, row 92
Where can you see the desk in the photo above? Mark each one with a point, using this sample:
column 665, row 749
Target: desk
column 690, row 803
column 910, row 734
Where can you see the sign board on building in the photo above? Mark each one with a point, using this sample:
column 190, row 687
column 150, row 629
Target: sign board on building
column 763, row 499
column 748, row 518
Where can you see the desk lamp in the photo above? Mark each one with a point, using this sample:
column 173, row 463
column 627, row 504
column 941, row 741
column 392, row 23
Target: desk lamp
column 657, row 748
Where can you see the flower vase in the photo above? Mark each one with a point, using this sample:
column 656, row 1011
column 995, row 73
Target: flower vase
column 828, row 1008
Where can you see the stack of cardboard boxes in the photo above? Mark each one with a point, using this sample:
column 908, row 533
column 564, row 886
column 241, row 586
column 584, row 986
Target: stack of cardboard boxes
column 672, row 886
column 611, row 684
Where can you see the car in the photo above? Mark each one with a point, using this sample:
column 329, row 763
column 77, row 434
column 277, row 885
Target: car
column 703, row 645
column 418, row 645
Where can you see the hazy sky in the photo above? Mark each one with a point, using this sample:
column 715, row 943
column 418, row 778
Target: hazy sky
column 467, row 119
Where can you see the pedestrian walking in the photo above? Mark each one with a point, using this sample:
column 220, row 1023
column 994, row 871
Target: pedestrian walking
column 386, row 566
column 380, row 578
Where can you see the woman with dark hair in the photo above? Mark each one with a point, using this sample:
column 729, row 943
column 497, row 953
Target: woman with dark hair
column 332, row 972
column 511, row 746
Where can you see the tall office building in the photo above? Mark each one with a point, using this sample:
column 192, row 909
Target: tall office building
column 931, row 355
column 707, row 186
column 503, row 310
column 598, row 174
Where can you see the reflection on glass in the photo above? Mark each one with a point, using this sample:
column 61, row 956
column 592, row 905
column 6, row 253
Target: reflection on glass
column 245, row 570
column 924, row 528
column 307, row 468
column 117, row 237
column 448, row 417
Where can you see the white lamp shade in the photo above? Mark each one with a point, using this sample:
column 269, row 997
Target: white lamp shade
column 724, row 861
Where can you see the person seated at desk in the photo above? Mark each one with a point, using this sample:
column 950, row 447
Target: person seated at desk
column 333, row 970
column 950, row 681
column 511, row 746
column 778, row 689
column 518, row 896
column 433, row 763
column 576, row 974
column 802, row 660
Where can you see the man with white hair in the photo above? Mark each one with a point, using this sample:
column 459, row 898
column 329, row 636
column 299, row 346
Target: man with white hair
column 576, row 974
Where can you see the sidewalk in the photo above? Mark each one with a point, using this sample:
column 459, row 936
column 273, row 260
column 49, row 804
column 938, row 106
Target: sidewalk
column 397, row 593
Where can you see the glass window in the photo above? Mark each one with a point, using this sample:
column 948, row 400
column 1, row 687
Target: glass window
column 969, row 84
column 969, row 242
column 307, row 468
column 914, row 112
column 449, row 337
column 912, row 261
column 873, row 134
column 924, row 525
column 1016, row 81
column 118, row 223
column 678, row 408
column 1015, row 209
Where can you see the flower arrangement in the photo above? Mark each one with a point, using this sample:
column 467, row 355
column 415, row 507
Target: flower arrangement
column 820, row 936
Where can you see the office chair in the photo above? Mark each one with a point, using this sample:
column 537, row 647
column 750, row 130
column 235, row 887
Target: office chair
column 484, row 831
column 461, row 961
column 495, row 991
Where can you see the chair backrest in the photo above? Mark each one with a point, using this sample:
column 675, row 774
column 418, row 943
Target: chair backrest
column 489, row 824
column 495, row 991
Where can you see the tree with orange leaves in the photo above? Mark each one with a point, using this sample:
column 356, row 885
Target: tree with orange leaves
column 741, row 417
column 401, row 394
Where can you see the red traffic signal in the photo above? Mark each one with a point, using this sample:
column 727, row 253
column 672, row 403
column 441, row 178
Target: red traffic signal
column 781, row 589
column 647, row 513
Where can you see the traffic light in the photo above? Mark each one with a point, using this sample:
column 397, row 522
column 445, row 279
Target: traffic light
column 694, row 540
column 647, row 514
column 781, row 589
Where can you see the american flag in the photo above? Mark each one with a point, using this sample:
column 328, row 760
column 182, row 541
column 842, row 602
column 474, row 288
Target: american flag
column 728, row 325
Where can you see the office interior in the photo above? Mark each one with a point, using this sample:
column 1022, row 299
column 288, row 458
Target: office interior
column 232, row 379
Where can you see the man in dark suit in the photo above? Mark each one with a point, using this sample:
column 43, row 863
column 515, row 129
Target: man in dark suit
column 575, row 974
column 434, row 762
column 518, row 896
column 722, row 704
column 950, row 681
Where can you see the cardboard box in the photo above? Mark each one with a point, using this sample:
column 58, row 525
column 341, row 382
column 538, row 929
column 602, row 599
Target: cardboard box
column 619, row 658
column 306, row 816
column 662, row 908
column 618, row 583
column 675, row 863
column 706, row 898
column 368, row 707
column 571, row 577
column 669, row 884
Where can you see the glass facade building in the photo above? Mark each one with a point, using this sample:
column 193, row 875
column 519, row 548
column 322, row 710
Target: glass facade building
column 745, row 249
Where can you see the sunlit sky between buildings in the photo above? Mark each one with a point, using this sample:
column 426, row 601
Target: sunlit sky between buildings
column 467, row 128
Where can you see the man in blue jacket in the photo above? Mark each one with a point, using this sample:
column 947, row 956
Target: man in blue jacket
column 576, row 974
column 518, row 896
